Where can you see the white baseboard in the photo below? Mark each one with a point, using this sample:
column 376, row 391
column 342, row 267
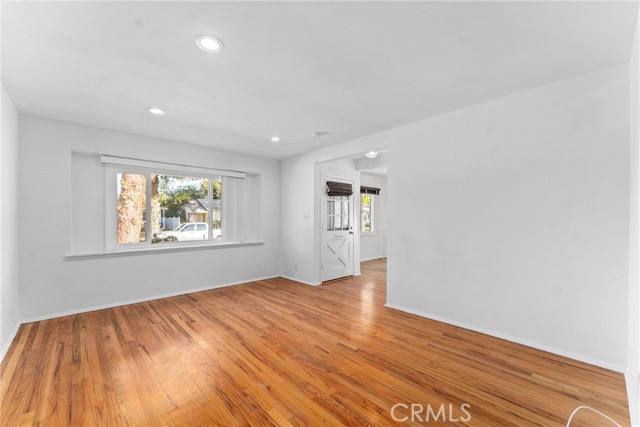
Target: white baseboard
column 632, row 380
column 139, row 300
column 574, row 356
column 304, row 282
column 7, row 343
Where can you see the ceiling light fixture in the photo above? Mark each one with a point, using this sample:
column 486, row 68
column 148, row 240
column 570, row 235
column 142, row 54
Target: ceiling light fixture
column 275, row 139
column 209, row 43
column 156, row 111
column 371, row 154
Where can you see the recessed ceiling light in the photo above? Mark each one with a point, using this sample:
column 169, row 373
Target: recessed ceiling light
column 156, row 111
column 209, row 43
column 275, row 139
column 371, row 154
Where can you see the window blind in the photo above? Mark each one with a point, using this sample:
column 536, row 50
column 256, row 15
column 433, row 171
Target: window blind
column 369, row 190
column 339, row 189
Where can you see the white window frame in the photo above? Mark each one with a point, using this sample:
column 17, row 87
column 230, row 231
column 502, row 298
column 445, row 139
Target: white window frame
column 116, row 165
column 371, row 212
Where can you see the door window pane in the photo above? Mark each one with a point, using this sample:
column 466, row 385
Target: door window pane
column 330, row 223
column 338, row 222
column 338, row 206
column 338, row 213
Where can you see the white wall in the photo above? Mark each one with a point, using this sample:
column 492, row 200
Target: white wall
column 9, row 299
column 51, row 285
column 374, row 245
column 633, row 362
column 523, row 215
column 299, row 257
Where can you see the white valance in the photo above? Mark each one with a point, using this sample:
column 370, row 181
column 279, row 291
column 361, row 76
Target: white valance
column 170, row 167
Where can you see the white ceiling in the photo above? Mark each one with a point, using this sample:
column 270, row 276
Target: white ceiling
column 381, row 170
column 348, row 68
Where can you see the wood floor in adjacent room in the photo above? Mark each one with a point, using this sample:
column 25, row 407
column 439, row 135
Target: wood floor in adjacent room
column 276, row 352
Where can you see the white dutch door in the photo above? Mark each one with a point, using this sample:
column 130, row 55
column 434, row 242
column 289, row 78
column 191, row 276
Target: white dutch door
column 337, row 228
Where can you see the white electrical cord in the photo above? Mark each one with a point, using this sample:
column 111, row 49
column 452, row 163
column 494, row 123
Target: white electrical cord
column 591, row 409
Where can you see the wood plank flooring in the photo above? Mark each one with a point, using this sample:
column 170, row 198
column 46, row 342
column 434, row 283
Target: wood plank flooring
column 276, row 352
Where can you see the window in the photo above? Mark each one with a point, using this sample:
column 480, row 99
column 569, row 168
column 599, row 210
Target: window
column 367, row 213
column 172, row 208
column 153, row 205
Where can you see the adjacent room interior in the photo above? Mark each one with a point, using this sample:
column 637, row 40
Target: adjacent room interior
column 320, row 213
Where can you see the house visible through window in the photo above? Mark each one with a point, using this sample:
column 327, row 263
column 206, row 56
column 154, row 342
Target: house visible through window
column 155, row 208
column 367, row 213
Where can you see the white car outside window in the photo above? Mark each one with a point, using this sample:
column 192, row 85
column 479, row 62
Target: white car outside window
column 185, row 232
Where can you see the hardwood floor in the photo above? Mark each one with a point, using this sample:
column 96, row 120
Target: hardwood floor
column 276, row 352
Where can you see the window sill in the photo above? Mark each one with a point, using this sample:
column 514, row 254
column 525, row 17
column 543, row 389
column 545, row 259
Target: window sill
column 147, row 251
column 368, row 233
